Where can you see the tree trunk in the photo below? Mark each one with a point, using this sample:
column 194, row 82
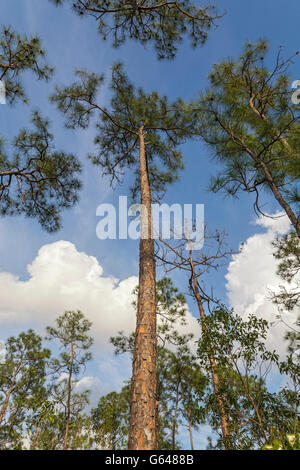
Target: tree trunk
column 175, row 423
column 278, row 196
column 69, row 399
column 213, row 366
column 283, row 203
column 188, row 418
column 191, row 434
column 143, row 416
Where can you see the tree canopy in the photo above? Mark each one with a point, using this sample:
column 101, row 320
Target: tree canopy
column 248, row 120
column 165, row 124
column 163, row 24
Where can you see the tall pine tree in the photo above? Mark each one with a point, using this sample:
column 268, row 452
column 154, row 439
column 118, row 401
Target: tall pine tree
column 140, row 132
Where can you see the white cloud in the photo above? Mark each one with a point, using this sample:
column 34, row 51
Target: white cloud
column 252, row 275
column 62, row 278
column 94, row 386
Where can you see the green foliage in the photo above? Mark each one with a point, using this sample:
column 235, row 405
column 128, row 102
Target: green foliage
column 71, row 335
column 163, row 24
column 288, row 254
column 22, row 383
column 248, row 120
column 19, row 54
column 236, row 339
column 36, row 180
column 244, row 363
column 36, row 401
column 49, row 434
column 165, row 126
column 181, row 385
column 110, row 420
column 289, row 442
column 24, row 364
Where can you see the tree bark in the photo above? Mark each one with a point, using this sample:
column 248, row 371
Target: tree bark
column 143, row 416
column 191, row 434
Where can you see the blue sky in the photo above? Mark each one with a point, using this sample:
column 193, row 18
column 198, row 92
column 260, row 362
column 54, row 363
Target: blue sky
column 74, row 43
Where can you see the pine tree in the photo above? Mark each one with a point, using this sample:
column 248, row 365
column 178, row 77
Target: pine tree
column 22, row 378
column 248, row 119
column 162, row 23
column 140, row 132
column 19, row 54
column 35, row 179
column 180, row 382
column 72, row 335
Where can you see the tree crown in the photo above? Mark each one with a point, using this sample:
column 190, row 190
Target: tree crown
column 164, row 23
column 36, row 180
column 19, row 54
column 249, row 121
column 165, row 126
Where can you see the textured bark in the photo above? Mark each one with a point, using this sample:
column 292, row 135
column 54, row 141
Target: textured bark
column 143, row 416
column 213, row 366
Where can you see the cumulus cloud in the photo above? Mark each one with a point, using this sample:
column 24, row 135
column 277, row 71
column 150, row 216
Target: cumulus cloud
column 252, row 276
column 62, row 278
